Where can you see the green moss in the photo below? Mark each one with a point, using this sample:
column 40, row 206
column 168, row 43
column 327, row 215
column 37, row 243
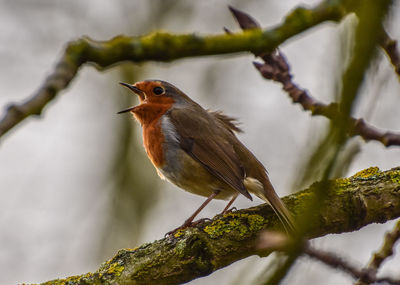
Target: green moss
column 179, row 233
column 76, row 51
column 395, row 176
column 243, row 225
column 115, row 269
column 342, row 183
column 256, row 222
column 216, row 229
column 180, row 248
column 78, row 279
column 366, row 173
column 299, row 15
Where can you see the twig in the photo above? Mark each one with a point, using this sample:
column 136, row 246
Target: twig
column 390, row 47
column 383, row 253
column 270, row 241
column 337, row 262
column 61, row 77
column 276, row 68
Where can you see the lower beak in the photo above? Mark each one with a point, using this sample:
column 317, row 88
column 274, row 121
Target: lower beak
column 126, row 110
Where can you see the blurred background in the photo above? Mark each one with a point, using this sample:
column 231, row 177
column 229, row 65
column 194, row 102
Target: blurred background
column 76, row 185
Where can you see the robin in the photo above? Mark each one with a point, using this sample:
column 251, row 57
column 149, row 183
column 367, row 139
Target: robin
column 197, row 149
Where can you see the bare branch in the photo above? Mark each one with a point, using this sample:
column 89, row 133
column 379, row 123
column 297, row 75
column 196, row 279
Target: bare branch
column 337, row 262
column 271, row 241
column 390, row 47
column 384, row 252
column 276, row 68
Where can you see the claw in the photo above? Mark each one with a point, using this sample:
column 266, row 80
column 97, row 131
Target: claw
column 186, row 225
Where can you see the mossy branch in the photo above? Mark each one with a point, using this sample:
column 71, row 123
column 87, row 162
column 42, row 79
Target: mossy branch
column 162, row 46
column 370, row 196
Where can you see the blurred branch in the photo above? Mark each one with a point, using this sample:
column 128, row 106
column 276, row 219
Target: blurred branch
column 278, row 241
column 370, row 196
column 276, row 68
column 161, row 46
column 337, row 262
column 384, row 252
column 371, row 15
column 390, row 47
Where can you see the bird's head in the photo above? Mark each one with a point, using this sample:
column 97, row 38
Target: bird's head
column 156, row 92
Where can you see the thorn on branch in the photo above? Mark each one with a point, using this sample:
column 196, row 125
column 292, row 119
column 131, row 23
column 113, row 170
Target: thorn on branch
column 227, row 31
column 244, row 20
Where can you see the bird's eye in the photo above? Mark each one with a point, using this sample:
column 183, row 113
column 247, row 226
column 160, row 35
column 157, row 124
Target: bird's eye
column 158, row 90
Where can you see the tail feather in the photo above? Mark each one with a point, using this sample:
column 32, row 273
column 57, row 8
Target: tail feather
column 278, row 206
column 266, row 192
column 282, row 212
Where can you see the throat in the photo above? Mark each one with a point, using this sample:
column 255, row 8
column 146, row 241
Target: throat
column 147, row 113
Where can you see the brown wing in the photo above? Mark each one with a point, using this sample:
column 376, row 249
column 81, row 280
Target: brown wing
column 229, row 122
column 203, row 139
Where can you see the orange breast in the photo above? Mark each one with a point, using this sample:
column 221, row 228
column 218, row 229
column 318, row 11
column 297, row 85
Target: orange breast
column 153, row 140
column 149, row 114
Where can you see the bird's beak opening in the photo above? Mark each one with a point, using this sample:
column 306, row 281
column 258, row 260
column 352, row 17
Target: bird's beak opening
column 137, row 91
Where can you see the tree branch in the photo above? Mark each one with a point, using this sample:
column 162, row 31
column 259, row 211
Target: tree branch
column 334, row 261
column 162, row 46
column 384, row 252
column 369, row 196
column 390, row 47
column 276, row 68
column 269, row 241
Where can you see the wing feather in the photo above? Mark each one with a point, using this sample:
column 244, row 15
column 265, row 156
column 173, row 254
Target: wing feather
column 204, row 139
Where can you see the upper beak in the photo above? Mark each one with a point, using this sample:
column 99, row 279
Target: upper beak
column 139, row 92
column 133, row 88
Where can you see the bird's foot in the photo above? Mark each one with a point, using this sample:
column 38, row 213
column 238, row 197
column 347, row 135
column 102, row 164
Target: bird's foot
column 185, row 225
column 227, row 211
column 200, row 221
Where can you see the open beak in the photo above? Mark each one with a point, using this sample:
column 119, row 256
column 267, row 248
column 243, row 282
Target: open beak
column 137, row 91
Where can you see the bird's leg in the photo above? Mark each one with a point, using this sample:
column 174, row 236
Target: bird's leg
column 226, row 209
column 189, row 221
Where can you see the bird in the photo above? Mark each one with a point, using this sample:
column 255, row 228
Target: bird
column 198, row 150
